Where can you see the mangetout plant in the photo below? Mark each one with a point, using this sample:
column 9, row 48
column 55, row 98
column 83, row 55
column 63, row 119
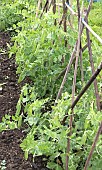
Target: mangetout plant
column 39, row 48
column 47, row 136
column 11, row 12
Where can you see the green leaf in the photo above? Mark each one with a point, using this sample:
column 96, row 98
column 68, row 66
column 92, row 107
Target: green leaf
column 19, row 121
column 18, row 107
column 84, row 137
column 53, row 165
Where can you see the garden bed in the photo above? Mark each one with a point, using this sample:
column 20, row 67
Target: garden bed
column 11, row 154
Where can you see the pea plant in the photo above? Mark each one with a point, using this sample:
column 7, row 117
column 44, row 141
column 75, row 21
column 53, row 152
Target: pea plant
column 44, row 44
column 42, row 54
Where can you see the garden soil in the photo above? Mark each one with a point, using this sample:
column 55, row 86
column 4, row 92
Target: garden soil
column 10, row 140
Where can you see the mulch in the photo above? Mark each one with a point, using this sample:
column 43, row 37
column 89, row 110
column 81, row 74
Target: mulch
column 10, row 140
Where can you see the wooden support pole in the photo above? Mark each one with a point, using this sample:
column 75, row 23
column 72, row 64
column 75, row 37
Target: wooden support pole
column 54, row 9
column 39, row 4
column 74, row 85
column 73, row 94
column 63, row 72
column 92, row 68
column 44, row 8
column 84, row 48
column 54, row 6
column 71, row 59
column 81, row 64
column 90, row 29
column 96, row 73
column 64, row 19
column 87, row 85
column 93, row 146
column 71, row 10
column 66, row 72
column 85, row 24
column 80, row 54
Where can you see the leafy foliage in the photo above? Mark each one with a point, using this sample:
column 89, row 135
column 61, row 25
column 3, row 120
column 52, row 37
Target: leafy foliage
column 95, row 18
column 38, row 47
column 44, row 44
column 11, row 12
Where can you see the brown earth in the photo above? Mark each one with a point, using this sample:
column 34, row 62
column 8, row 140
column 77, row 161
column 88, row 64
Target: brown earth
column 10, row 140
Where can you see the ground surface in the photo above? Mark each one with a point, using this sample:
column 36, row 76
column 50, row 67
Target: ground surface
column 9, row 94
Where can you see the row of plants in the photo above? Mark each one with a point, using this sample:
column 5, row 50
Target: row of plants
column 39, row 47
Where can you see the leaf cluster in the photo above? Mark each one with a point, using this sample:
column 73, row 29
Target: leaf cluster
column 39, row 47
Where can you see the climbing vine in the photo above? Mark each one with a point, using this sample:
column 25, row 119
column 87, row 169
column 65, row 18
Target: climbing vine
column 42, row 53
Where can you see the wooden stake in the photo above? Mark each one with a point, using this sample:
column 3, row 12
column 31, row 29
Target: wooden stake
column 89, row 28
column 92, row 68
column 96, row 73
column 73, row 90
column 66, row 70
column 93, row 146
